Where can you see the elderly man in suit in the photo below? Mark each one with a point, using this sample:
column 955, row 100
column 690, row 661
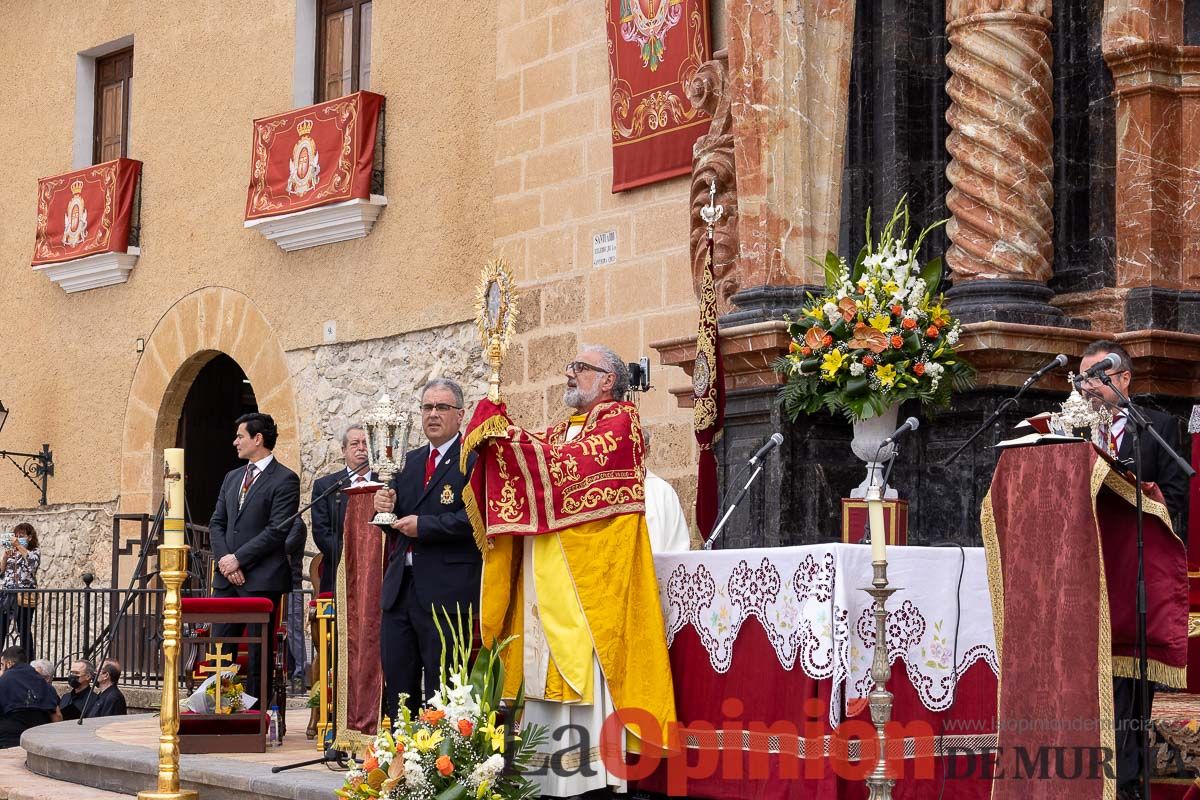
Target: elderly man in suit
column 247, row 529
column 433, row 564
column 329, row 511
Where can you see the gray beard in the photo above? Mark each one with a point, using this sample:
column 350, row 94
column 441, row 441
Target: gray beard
column 575, row 398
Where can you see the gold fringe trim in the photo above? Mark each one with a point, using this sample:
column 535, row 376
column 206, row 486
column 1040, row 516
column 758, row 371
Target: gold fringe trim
column 1104, row 659
column 1127, row 667
column 995, row 576
column 478, row 526
column 1118, row 484
column 494, row 427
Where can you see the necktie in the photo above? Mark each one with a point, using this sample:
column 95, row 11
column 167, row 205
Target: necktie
column 431, row 464
column 251, row 471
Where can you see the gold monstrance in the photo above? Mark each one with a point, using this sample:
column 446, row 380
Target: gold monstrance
column 496, row 317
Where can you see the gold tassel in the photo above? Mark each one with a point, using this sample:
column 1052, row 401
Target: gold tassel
column 494, row 427
column 478, row 527
column 1127, row 667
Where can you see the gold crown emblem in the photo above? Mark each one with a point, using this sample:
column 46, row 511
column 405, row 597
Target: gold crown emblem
column 304, row 127
column 76, row 187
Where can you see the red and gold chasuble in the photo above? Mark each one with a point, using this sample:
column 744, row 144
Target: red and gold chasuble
column 586, row 499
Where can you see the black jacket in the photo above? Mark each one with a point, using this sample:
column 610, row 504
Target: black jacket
column 1157, row 465
column 109, row 703
column 253, row 534
column 294, row 545
column 328, row 522
column 446, row 563
column 71, row 704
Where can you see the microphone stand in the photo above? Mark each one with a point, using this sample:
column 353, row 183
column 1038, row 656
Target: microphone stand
column 1139, row 422
column 1006, row 404
column 708, row 543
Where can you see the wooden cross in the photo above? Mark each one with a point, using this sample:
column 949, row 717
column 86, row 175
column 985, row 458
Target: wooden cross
column 221, row 662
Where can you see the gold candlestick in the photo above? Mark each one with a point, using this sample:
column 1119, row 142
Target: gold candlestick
column 172, row 563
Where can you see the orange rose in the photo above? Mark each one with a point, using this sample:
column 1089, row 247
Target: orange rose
column 908, row 324
column 465, row 727
column 868, row 361
column 445, row 766
column 432, row 716
column 931, row 332
column 806, row 351
column 828, row 340
column 897, row 342
column 897, row 309
column 919, row 369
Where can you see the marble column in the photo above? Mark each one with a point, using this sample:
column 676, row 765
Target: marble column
column 1001, row 252
column 789, row 73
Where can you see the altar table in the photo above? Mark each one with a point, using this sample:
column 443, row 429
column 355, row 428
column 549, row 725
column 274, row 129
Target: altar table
column 762, row 639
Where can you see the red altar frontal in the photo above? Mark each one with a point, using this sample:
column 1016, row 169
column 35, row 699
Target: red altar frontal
column 771, row 652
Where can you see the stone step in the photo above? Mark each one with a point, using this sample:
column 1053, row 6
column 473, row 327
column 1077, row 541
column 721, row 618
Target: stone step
column 18, row 783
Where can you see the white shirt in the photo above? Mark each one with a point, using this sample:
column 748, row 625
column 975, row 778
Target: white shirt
column 1117, row 431
column 664, row 517
column 261, row 465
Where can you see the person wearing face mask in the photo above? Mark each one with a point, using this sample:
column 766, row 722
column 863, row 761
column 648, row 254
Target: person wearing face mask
column 19, row 562
column 74, row 703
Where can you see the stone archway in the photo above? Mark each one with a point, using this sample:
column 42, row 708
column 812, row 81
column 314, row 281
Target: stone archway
column 206, row 322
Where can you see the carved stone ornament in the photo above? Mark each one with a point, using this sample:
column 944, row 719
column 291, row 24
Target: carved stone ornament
column 712, row 157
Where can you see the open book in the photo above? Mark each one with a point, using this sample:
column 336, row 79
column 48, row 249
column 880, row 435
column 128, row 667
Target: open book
column 1039, row 433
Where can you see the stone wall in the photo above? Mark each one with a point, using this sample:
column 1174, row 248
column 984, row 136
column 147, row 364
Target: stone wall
column 336, row 384
column 73, row 538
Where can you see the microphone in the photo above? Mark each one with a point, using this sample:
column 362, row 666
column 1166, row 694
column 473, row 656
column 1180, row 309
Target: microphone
column 1110, row 361
column 769, row 445
column 910, row 424
column 1059, row 362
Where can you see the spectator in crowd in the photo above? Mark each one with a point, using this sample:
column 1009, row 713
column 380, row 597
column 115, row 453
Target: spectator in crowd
column 19, row 562
column 26, row 700
column 110, row 702
column 44, row 668
column 297, row 654
column 81, row 697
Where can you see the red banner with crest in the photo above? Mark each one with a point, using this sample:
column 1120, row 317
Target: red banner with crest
column 654, row 49
column 313, row 156
column 527, row 484
column 86, row 212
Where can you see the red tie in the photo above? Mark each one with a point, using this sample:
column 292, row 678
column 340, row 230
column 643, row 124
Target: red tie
column 431, row 464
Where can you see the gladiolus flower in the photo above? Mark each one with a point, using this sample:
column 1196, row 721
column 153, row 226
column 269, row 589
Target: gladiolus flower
column 897, row 342
column 466, row 727
column 445, row 766
column 931, row 332
column 908, row 323
column 868, row 361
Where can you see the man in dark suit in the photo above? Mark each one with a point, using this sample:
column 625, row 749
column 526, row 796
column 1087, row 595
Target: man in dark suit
column 1156, row 466
column 247, row 528
column 329, row 513
column 433, row 563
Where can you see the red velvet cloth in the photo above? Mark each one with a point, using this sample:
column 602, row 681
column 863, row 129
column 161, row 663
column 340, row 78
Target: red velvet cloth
column 86, row 212
column 341, row 133
column 758, row 691
column 358, row 589
column 226, row 605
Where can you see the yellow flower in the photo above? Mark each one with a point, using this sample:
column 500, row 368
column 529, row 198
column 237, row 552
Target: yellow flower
column 832, row 363
column 815, row 312
column 939, row 316
column 481, row 791
column 881, row 322
column 425, row 741
column 891, row 287
column 886, row 374
column 493, row 733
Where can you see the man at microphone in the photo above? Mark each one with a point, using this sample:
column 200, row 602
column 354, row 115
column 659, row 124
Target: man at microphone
column 1157, row 466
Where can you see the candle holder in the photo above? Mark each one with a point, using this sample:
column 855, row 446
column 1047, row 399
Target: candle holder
column 879, row 785
column 172, row 564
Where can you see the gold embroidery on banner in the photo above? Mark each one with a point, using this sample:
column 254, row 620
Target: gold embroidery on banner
column 564, row 471
column 1193, row 625
column 106, row 175
column 507, row 506
column 704, row 410
column 1100, row 471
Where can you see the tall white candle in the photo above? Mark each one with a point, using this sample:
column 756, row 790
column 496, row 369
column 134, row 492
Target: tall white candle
column 173, row 518
column 875, row 515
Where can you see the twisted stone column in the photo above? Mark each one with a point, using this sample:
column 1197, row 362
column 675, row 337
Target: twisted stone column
column 1001, row 162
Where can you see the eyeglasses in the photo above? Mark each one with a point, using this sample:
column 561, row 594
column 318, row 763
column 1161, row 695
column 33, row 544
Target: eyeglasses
column 575, row 367
column 1094, row 380
column 441, row 408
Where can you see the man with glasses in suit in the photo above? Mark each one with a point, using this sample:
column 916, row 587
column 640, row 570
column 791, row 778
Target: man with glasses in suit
column 433, row 563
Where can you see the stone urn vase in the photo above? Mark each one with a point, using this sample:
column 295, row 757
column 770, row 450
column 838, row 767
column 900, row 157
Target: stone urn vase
column 869, row 434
